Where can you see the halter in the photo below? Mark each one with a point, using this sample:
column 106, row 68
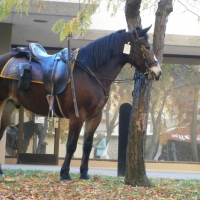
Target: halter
column 144, row 57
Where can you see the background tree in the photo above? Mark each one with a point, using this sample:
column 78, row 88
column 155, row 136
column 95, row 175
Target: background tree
column 186, row 92
column 160, row 101
column 178, row 87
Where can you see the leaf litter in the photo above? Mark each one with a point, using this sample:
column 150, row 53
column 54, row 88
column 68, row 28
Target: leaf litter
column 45, row 185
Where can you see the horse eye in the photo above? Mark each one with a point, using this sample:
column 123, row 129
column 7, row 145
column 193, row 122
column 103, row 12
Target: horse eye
column 148, row 47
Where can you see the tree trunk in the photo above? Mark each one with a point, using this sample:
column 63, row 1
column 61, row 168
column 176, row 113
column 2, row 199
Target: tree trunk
column 165, row 7
column 135, row 164
column 132, row 13
column 155, row 137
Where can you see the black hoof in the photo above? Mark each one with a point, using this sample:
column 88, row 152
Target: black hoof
column 65, row 177
column 85, row 176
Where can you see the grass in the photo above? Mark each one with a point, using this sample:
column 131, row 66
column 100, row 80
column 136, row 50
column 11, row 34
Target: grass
column 35, row 184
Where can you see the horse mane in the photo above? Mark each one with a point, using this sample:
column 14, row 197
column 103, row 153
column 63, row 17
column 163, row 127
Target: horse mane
column 102, row 50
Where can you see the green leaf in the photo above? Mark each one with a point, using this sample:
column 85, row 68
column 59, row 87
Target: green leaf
column 57, row 27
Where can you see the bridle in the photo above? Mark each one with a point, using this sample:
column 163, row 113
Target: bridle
column 144, row 56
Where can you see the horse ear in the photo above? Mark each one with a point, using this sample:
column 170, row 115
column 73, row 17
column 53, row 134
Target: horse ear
column 144, row 31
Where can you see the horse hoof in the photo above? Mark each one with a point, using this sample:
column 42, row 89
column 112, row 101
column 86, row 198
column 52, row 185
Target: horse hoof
column 84, row 176
column 65, row 177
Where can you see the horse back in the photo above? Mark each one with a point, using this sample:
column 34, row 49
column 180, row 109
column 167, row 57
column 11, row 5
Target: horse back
column 90, row 96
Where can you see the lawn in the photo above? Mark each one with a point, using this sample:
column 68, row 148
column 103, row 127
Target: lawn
column 29, row 184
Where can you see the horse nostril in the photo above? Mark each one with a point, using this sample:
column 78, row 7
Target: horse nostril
column 158, row 77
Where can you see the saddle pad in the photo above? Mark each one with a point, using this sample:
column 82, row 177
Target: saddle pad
column 11, row 70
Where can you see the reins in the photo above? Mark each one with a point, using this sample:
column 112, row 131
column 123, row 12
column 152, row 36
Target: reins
column 106, row 79
column 71, row 69
column 89, row 71
column 144, row 57
column 106, row 94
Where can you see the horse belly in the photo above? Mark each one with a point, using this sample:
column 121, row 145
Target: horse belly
column 34, row 100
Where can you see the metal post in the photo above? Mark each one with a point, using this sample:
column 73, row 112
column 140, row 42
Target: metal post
column 124, row 119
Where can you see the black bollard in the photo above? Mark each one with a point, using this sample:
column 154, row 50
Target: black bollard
column 2, row 175
column 124, row 119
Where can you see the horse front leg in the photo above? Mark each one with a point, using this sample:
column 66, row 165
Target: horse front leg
column 90, row 128
column 75, row 126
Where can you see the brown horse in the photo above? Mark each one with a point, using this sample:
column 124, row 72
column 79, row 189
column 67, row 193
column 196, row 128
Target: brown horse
column 96, row 66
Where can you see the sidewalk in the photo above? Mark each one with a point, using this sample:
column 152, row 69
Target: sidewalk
column 109, row 171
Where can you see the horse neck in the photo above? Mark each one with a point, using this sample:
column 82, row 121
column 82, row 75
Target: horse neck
column 107, row 50
column 112, row 68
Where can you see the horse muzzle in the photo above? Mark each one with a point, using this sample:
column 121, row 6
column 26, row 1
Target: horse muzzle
column 154, row 73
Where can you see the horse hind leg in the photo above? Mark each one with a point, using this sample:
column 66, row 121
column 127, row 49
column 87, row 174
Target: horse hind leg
column 90, row 128
column 6, row 110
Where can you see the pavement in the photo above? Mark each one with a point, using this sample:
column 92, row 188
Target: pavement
column 109, row 171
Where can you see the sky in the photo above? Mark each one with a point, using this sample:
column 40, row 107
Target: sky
column 180, row 21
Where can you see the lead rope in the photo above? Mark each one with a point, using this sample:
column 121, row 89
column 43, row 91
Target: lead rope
column 71, row 67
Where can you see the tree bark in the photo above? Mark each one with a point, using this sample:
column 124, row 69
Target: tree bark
column 135, row 165
column 132, row 13
column 165, row 7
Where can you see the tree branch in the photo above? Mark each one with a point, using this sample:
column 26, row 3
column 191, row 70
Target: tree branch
column 188, row 9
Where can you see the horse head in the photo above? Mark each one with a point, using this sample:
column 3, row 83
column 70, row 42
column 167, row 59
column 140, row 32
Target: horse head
column 142, row 55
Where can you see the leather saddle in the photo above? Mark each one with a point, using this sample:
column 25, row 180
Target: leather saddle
column 55, row 68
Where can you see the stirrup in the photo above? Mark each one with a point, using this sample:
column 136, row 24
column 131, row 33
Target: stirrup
column 50, row 99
